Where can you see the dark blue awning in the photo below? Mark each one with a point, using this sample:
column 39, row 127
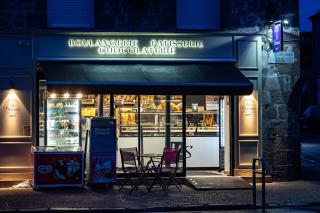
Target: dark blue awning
column 191, row 79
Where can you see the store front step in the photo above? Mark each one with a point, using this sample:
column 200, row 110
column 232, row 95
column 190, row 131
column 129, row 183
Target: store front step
column 218, row 183
column 246, row 174
column 10, row 179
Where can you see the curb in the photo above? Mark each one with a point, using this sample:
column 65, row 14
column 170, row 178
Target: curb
column 147, row 209
column 206, row 207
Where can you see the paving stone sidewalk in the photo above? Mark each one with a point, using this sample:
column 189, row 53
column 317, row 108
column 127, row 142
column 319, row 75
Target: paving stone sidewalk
column 279, row 194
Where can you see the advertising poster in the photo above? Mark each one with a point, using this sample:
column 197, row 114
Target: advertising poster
column 58, row 169
column 103, row 168
column 15, row 113
column 212, row 102
column 248, row 115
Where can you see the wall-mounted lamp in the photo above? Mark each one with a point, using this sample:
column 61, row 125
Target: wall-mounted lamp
column 53, row 95
column 285, row 21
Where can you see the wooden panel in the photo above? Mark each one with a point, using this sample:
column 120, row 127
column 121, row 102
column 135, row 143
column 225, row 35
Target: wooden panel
column 248, row 150
column 247, row 54
column 15, row 53
column 15, row 157
column 15, row 176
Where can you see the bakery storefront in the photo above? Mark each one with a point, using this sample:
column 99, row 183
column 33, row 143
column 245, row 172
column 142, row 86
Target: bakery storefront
column 198, row 92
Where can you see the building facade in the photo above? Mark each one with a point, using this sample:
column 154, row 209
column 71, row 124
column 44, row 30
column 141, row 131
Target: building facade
column 40, row 46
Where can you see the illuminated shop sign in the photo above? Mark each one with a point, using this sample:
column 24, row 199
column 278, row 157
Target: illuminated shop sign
column 138, row 46
column 155, row 47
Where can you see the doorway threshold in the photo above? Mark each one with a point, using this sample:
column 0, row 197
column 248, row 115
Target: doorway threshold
column 204, row 173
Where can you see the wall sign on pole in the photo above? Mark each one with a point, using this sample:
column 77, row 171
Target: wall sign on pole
column 277, row 36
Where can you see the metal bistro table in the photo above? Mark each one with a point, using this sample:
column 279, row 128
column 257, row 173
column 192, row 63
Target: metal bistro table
column 154, row 166
column 152, row 157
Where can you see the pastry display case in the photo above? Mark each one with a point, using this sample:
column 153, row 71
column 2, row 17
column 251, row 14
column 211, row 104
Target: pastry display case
column 200, row 122
column 126, row 113
column 62, row 123
column 202, row 116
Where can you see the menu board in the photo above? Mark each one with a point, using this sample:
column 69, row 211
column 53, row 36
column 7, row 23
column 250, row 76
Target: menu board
column 15, row 113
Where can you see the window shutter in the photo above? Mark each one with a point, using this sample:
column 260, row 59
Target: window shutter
column 70, row 13
column 199, row 14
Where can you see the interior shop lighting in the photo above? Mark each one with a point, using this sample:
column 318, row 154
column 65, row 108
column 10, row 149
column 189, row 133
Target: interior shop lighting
column 53, row 95
column 66, row 95
column 79, row 95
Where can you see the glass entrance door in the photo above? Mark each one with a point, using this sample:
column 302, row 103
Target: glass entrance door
column 202, row 142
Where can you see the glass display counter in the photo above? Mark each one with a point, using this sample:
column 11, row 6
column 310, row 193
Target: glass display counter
column 63, row 122
column 57, row 166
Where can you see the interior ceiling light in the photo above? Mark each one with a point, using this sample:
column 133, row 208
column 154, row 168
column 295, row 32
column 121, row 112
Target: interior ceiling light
column 79, row 95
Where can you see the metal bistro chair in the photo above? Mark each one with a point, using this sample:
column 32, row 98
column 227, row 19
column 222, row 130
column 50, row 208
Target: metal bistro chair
column 132, row 168
column 168, row 169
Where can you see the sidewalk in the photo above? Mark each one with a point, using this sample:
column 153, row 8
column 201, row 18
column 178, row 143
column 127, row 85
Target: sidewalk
column 279, row 195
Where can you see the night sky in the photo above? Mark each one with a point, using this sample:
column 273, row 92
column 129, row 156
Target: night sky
column 307, row 9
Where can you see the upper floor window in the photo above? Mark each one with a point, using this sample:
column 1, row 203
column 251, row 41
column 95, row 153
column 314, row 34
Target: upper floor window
column 70, row 13
column 199, row 14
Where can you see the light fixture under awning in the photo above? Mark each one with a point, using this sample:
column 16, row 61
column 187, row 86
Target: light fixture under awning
column 188, row 79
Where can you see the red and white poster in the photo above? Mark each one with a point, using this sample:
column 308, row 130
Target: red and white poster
column 58, row 169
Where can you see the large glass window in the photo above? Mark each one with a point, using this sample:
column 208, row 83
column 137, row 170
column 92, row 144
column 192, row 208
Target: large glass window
column 106, row 105
column 89, row 109
column 126, row 113
column 153, row 123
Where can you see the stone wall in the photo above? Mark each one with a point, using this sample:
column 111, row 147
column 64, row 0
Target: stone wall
column 280, row 126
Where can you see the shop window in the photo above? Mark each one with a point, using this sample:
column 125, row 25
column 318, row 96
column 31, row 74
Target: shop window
column 153, row 123
column 89, row 105
column 126, row 114
column 70, row 13
column 201, row 14
column 106, row 105
column 152, row 115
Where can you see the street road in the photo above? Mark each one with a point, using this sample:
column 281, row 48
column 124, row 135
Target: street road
column 310, row 157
